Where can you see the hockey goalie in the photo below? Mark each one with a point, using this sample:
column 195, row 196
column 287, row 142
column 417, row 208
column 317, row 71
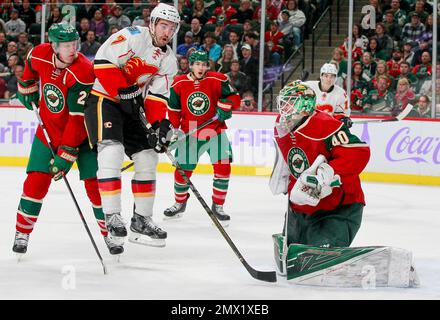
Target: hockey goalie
column 318, row 165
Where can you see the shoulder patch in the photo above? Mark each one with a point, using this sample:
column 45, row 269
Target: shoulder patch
column 119, row 39
column 133, row 30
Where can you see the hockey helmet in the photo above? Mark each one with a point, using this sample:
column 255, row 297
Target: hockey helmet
column 62, row 32
column 294, row 99
column 165, row 12
column 329, row 68
column 198, row 56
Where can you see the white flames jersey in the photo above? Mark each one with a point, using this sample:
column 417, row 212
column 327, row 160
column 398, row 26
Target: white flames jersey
column 334, row 102
column 136, row 41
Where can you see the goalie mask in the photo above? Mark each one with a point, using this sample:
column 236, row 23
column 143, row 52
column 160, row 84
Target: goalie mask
column 163, row 33
column 65, row 41
column 295, row 101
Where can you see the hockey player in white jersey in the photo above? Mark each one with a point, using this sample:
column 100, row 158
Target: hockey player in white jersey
column 329, row 96
column 134, row 69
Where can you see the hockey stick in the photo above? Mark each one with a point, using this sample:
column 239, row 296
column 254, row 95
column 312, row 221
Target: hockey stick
column 304, row 75
column 49, row 142
column 175, row 143
column 268, row 276
column 399, row 117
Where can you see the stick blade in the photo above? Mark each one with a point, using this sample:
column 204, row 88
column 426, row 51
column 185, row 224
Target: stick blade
column 267, row 276
column 405, row 111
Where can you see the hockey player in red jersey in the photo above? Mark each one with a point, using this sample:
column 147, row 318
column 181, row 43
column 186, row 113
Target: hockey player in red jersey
column 194, row 99
column 319, row 168
column 134, row 70
column 64, row 77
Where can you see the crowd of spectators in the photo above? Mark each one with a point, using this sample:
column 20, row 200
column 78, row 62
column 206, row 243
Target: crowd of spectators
column 392, row 63
column 228, row 30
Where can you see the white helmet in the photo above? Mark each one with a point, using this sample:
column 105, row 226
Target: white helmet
column 329, row 68
column 166, row 12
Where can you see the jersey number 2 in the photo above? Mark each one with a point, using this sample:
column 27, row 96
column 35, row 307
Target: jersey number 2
column 82, row 98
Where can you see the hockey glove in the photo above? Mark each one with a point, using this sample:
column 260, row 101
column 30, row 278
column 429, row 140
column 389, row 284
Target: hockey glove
column 28, row 92
column 63, row 161
column 322, row 182
column 224, row 109
column 164, row 130
column 347, row 121
column 131, row 100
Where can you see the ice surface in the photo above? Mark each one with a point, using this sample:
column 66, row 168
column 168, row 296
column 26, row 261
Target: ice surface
column 197, row 263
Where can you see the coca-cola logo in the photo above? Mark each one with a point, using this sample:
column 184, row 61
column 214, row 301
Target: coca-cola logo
column 405, row 147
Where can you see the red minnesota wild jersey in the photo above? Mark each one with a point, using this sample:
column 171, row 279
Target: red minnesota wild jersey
column 196, row 101
column 345, row 153
column 63, row 93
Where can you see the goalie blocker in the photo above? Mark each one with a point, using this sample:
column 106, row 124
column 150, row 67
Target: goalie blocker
column 366, row 267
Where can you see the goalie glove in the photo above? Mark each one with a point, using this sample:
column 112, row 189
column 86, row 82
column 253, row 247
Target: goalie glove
column 63, row 161
column 28, row 92
column 323, row 182
column 315, row 183
column 224, row 109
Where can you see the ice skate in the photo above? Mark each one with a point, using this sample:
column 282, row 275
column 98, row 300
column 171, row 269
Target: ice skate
column 146, row 232
column 116, row 227
column 20, row 244
column 222, row 217
column 175, row 211
column 114, row 247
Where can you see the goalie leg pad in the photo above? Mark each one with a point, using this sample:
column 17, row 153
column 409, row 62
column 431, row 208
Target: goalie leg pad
column 366, row 267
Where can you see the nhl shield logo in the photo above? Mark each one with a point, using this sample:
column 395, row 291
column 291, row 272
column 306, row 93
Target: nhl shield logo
column 54, row 98
column 198, row 103
column 297, row 161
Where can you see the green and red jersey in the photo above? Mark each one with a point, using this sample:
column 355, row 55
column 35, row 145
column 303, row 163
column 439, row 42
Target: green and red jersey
column 195, row 101
column 63, row 93
column 345, row 153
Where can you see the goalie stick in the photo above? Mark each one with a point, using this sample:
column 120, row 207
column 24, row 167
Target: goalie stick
column 49, row 142
column 268, row 276
column 399, row 117
column 175, row 143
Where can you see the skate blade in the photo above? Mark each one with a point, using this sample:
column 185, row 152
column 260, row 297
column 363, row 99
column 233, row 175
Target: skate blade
column 117, row 258
column 175, row 217
column 146, row 240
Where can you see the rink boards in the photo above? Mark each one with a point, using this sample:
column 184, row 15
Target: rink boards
column 403, row 152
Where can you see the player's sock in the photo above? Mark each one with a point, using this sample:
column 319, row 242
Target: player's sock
column 180, row 186
column 222, row 171
column 92, row 190
column 35, row 189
